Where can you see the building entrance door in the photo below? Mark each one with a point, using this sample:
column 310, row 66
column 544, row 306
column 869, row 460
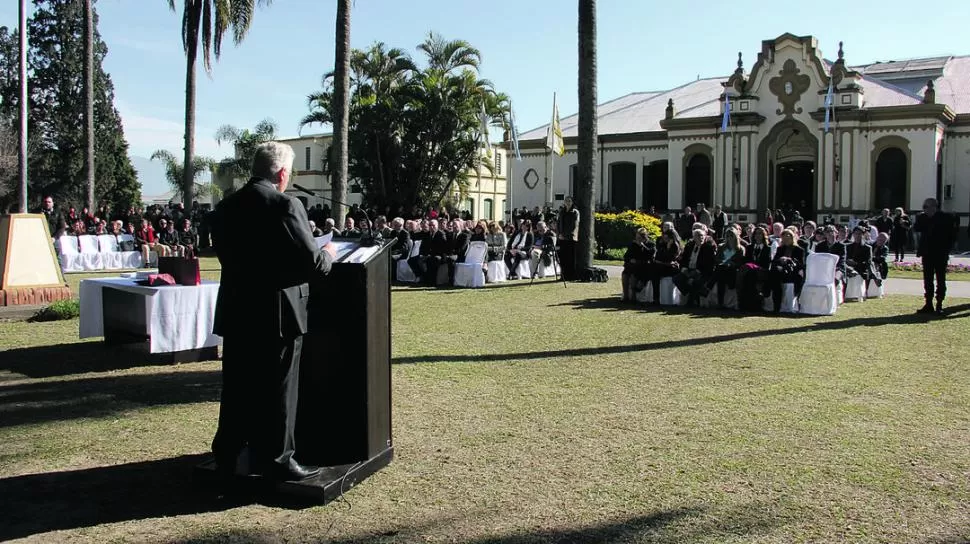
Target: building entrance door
column 795, row 188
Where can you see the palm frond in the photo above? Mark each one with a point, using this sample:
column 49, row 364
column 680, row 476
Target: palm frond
column 240, row 18
column 207, row 35
column 227, row 133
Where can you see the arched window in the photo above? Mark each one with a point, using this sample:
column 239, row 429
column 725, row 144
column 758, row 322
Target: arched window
column 892, row 170
column 623, row 185
column 697, row 180
column 487, row 205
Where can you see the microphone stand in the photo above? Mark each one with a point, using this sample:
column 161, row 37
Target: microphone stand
column 370, row 239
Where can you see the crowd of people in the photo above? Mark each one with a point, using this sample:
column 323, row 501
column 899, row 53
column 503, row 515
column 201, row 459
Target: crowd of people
column 757, row 259
column 164, row 230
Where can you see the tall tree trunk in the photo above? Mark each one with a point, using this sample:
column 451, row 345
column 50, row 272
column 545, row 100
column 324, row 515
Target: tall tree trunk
column 191, row 52
column 586, row 150
column 89, row 101
column 341, row 102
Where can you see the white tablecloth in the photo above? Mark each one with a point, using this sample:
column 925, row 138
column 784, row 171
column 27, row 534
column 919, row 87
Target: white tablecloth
column 181, row 316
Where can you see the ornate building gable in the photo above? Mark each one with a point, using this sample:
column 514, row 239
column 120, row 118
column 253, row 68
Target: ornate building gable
column 788, row 77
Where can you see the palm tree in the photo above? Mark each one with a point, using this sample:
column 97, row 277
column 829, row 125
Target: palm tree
column 174, row 174
column 341, row 110
column 212, row 18
column 447, row 56
column 89, row 101
column 244, row 143
column 586, row 149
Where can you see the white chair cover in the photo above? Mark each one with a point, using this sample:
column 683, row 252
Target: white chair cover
column 789, row 303
column 855, row 288
column 876, row 291
column 819, row 294
column 524, row 270
column 646, row 294
column 471, row 272
column 108, row 248
column 404, row 272
column 540, row 270
column 68, row 253
column 91, row 258
column 730, row 299
column 131, row 259
column 497, row 272
column 669, row 294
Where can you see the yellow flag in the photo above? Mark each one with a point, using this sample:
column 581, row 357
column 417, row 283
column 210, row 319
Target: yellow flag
column 554, row 139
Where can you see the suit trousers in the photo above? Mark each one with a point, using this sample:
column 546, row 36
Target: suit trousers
column 934, row 267
column 260, row 391
column 567, row 258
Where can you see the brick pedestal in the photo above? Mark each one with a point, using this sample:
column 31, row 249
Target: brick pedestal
column 32, row 296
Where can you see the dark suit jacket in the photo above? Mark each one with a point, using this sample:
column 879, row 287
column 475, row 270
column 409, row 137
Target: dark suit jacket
column 402, row 244
column 705, row 257
column 761, row 258
column 937, row 234
column 264, row 287
column 436, row 244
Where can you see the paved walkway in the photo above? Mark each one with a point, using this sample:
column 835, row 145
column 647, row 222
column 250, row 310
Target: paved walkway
column 954, row 289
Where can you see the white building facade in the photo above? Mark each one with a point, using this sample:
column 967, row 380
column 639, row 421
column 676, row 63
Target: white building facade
column 898, row 132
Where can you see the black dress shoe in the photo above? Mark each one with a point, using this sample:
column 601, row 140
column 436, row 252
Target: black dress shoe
column 926, row 309
column 939, row 308
column 293, row 472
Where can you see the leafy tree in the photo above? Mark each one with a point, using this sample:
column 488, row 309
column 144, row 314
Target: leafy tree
column 211, row 18
column 414, row 133
column 57, row 109
column 174, row 175
column 244, row 143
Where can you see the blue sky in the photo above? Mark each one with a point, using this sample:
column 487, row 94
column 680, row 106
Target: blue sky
column 528, row 48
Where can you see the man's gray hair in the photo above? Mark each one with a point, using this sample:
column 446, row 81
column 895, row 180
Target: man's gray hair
column 270, row 158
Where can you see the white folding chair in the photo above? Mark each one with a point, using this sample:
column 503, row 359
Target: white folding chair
column 131, row 259
column 645, row 294
column 730, row 298
column 91, row 257
column 524, row 269
column 471, row 273
column 819, row 294
column 404, row 272
column 68, row 253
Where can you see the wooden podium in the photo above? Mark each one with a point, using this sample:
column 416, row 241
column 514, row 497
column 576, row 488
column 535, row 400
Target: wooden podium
column 344, row 417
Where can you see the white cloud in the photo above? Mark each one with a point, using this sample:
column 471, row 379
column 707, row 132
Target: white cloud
column 146, row 133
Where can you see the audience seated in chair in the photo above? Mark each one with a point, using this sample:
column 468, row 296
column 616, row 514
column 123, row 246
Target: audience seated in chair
column 520, row 247
column 786, row 267
column 696, row 267
column 636, row 264
column 754, row 271
column 727, row 263
column 665, row 261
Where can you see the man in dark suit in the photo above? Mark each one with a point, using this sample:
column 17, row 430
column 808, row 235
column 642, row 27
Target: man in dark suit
column 938, row 233
column 261, row 314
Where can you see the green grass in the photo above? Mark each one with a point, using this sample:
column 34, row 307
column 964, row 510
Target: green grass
column 534, row 414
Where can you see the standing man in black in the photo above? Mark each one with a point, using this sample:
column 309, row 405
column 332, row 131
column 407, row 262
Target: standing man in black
column 261, row 314
column 568, row 234
column 938, row 233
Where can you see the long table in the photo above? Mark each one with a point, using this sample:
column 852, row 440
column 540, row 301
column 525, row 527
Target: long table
column 175, row 318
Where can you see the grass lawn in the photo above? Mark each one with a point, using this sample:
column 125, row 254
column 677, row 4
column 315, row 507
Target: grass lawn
column 533, row 414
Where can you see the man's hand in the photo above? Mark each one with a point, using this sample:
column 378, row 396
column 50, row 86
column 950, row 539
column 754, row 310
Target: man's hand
column 331, row 249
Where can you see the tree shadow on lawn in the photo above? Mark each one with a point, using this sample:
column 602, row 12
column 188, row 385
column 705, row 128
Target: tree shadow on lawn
column 72, row 358
column 38, row 503
column 661, row 527
column 959, row 311
column 104, row 395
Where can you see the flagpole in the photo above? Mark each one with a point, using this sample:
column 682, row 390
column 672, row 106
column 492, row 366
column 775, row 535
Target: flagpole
column 552, row 160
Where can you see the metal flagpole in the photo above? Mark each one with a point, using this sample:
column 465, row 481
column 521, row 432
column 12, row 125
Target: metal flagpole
column 22, row 151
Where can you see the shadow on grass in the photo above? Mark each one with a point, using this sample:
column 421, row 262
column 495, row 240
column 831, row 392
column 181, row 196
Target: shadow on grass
column 105, row 395
column 954, row 312
column 663, row 527
column 38, row 503
column 68, row 359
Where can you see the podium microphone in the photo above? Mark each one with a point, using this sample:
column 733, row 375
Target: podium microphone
column 370, row 239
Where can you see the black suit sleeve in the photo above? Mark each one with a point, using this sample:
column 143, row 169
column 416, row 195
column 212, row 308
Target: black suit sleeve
column 298, row 227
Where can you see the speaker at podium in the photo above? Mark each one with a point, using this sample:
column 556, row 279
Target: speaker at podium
column 344, row 413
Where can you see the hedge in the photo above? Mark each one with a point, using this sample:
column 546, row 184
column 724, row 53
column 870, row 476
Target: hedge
column 616, row 230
